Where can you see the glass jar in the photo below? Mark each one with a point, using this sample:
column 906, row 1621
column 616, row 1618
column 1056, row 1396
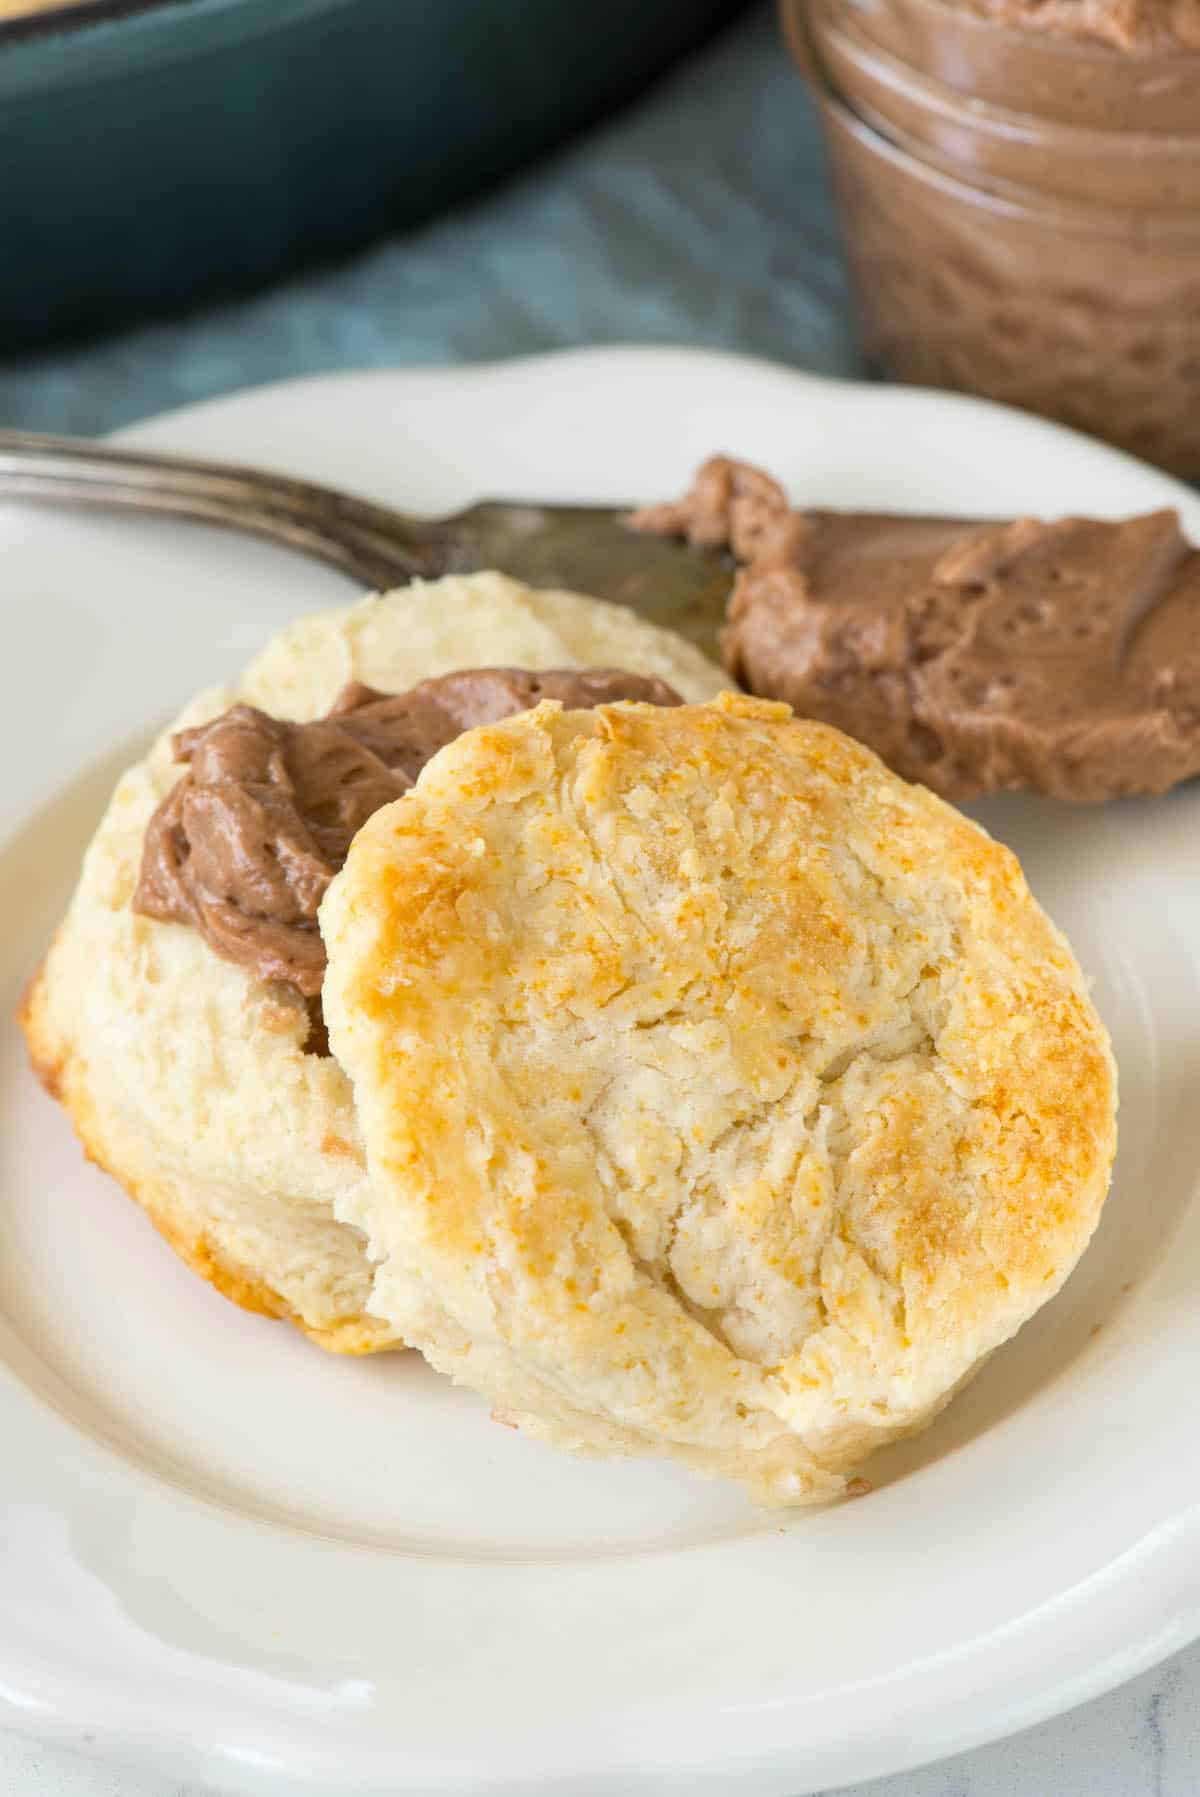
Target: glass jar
column 1086, row 312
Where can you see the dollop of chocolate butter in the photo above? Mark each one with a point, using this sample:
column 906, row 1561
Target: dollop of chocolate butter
column 244, row 846
column 973, row 656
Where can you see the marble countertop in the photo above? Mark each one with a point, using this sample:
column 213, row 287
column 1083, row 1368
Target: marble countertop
column 701, row 215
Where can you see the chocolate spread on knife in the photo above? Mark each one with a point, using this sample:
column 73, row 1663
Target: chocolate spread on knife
column 245, row 845
column 973, row 656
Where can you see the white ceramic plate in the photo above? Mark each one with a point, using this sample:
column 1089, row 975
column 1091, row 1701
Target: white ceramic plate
column 234, row 1558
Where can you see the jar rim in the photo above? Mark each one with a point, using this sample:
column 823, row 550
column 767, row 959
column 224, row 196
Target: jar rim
column 999, row 121
column 945, row 13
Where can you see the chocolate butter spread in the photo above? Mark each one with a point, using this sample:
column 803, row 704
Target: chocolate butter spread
column 974, row 656
column 1115, row 66
column 1134, row 26
column 245, row 845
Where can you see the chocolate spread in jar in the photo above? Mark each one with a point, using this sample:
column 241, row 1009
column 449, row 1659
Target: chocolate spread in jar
column 244, row 846
column 995, row 148
column 1134, row 26
column 973, row 656
column 1113, row 66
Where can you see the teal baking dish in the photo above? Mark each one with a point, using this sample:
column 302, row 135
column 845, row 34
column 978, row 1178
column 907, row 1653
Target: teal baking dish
column 156, row 153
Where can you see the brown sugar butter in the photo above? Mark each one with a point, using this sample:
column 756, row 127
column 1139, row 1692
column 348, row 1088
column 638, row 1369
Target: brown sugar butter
column 972, row 655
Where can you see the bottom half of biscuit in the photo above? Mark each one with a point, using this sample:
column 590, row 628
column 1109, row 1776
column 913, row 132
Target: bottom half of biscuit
column 277, row 1253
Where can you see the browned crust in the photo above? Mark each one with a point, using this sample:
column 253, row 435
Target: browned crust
column 61, row 1075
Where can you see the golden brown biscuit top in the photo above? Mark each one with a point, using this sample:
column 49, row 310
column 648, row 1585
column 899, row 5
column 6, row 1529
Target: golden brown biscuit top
column 709, row 1066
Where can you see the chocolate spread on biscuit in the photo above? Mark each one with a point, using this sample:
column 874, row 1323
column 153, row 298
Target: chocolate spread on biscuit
column 973, row 656
column 244, row 846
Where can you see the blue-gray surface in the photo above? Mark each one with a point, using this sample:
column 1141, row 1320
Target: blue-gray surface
column 700, row 216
